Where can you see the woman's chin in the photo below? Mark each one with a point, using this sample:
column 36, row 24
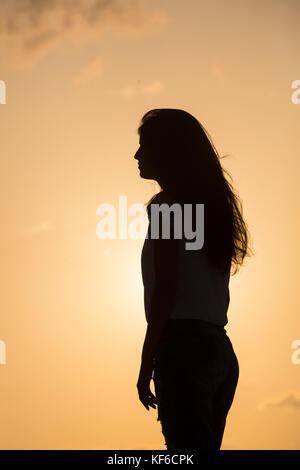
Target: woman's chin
column 145, row 175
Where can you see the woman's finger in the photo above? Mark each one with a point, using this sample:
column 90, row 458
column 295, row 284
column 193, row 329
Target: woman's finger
column 151, row 400
column 147, row 401
column 153, row 397
column 147, row 397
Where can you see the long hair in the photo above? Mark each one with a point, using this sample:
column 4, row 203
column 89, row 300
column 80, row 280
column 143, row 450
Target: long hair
column 190, row 171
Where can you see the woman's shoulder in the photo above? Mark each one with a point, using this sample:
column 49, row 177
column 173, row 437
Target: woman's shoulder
column 164, row 197
column 167, row 197
column 160, row 198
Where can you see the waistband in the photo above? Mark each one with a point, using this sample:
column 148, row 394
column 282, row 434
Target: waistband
column 194, row 323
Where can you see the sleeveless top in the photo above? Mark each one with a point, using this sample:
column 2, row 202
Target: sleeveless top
column 202, row 290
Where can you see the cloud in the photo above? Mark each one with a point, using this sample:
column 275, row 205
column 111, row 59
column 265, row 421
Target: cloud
column 44, row 226
column 217, row 71
column 290, row 399
column 151, row 88
column 28, row 28
column 93, row 69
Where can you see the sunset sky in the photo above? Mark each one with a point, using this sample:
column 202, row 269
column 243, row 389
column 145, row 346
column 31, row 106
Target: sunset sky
column 79, row 76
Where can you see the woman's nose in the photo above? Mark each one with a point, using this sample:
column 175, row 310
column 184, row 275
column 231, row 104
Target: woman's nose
column 136, row 156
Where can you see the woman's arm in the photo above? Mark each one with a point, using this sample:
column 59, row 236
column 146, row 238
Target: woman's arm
column 165, row 262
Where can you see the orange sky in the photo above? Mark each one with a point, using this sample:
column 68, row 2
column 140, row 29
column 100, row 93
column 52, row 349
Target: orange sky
column 72, row 316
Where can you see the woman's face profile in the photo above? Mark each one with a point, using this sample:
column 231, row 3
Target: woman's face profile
column 145, row 160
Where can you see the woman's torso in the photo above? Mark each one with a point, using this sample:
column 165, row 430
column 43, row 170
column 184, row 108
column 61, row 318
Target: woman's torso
column 202, row 290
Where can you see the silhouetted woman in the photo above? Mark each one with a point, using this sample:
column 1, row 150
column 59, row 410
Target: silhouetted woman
column 186, row 291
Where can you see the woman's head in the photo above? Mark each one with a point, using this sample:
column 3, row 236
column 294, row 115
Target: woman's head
column 176, row 151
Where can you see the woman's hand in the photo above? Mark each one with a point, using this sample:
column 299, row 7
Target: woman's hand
column 143, row 386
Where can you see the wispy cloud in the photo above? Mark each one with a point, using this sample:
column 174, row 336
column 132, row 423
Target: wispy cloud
column 44, row 226
column 93, row 69
column 28, row 28
column 131, row 91
column 290, row 399
column 217, row 70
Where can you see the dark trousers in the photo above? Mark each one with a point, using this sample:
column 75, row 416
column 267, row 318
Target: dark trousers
column 195, row 377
